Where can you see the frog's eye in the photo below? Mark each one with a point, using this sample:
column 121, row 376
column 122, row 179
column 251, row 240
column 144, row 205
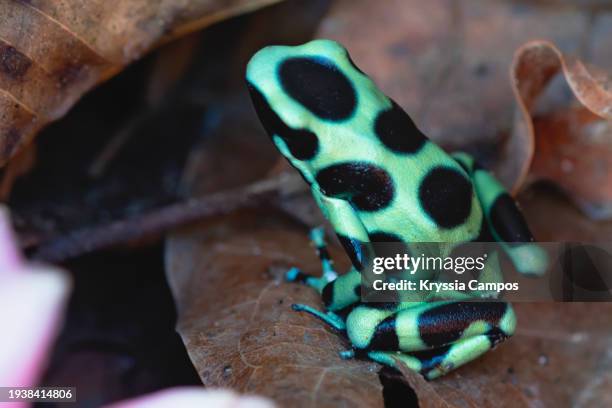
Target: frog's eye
column 318, row 85
column 302, row 143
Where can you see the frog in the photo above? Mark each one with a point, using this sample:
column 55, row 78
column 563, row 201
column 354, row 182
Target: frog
column 377, row 178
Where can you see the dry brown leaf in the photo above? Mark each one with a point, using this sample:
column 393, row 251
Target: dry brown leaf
column 237, row 324
column 53, row 51
column 571, row 147
column 223, row 271
column 558, row 358
column 239, row 331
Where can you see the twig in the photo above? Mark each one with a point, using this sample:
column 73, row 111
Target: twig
column 80, row 242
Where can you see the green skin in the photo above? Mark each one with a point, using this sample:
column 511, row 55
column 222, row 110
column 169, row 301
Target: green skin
column 297, row 103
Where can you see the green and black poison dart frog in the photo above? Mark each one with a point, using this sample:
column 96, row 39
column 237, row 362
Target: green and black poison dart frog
column 377, row 178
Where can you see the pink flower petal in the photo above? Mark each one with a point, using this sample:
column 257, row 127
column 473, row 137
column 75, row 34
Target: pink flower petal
column 10, row 257
column 195, row 397
column 32, row 300
column 31, row 308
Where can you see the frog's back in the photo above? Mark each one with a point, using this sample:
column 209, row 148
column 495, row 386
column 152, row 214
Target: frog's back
column 351, row 141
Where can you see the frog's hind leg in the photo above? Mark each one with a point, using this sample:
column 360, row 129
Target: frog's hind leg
column 434, row 363
column 317, row 236
column 504, row 222
column 432, row 338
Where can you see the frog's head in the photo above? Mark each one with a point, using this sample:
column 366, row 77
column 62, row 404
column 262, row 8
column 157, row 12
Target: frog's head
column 321, row 110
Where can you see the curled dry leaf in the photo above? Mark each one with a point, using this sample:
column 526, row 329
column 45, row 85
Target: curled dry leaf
column 572, row 147
column 574, row 150
column 236, row 320
column 52, row 52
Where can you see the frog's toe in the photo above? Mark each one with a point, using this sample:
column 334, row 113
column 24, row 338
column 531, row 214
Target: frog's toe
column 295, row 275
column 347, row 354
column 330, row 318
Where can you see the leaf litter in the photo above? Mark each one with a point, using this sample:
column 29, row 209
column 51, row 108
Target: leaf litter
column 226, row 273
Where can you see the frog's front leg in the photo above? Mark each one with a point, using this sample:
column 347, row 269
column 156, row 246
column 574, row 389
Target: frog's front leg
column 337, row 292
column 317, row 237
column 431, row 338
column 342, row 292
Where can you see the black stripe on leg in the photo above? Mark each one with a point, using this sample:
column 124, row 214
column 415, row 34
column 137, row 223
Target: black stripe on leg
column 430, row 358
column 328, row 294
column 485, row 233
column 356, row 251
column 343, row 313
column 323, row 253
column 391, row 305
column 507, row 220
column 385, row 336
column 446, row 323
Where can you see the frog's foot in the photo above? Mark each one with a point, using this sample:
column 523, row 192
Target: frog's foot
column 317, row 236
column 330, row 318
column 296, row 275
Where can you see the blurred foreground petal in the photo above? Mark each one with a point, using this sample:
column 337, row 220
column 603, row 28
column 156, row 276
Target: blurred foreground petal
column 10, row 257
column 195, row 397
column 32, row 301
